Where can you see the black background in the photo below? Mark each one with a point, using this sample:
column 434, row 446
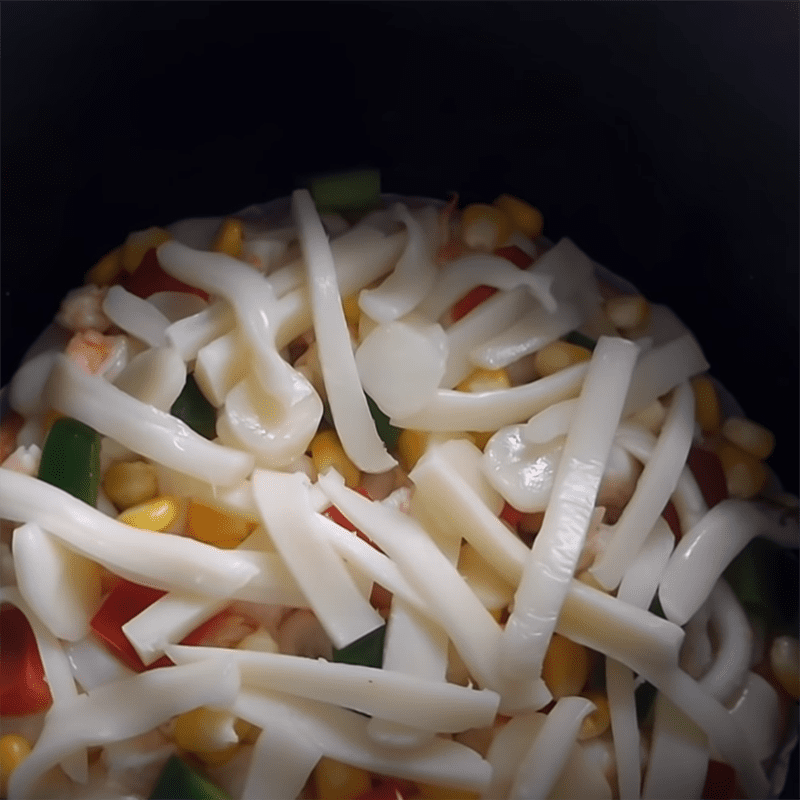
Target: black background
column 661, row 137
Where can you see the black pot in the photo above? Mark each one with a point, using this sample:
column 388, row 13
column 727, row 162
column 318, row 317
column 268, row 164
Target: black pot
column 661, row 137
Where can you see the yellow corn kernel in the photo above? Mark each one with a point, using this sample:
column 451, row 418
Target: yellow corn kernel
column 750, row 436
column 49, row 419
column 129, row 483
column 352, row 311
column 428, row 791
column 411, row 445
column 481, row 438
column 484, row 227
column 627, row 311
column 106, row 269
column 138, row 243
column 784, row 659
column 526, row 218
column 745, row 475
column 14, row 749
column 217, row 527
column 202, row 730
column 485, row 380
column 327, row 451
column 216, row 758
column 559, row 355
column 566, row 667
column 229, row 238
column 246, row 731
column 338, row 781
column 706, row 404
column 596, row 723
column 154, row 515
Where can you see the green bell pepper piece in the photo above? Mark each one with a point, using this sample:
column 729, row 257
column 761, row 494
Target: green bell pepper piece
column 581, row 339
column 193, row 408
column 71, row 459
column 178, row 781
column 366, row 651
column 388, row 432
column 355, row 191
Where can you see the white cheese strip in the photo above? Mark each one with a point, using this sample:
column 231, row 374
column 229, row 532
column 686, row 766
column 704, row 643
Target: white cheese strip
column 453, row 411
column 219, row 366
column 473, row 631
column 92, row 665
column 548, row 753
column 121, row 710
column 509, row 745
column 705, row 551
column 62, row 587
column 342, row 735
column 351, row 414
column 190, row 334
column 449, row 500
column 487, row 320
column 281, row 762
column 143, row 428
column 676, row 740
column 160, row 560
column 286, row 512
column 155, row 377
column 650, row 645
column 653, row 489
column 533, row 331
column 408, row 699
column 135, row 316
column 551, row 562
column 410, row 281
column 758, row 712
column 638, row 587
column 59, row 679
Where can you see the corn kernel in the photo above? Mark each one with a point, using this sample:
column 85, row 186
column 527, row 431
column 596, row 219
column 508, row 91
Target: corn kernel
column 559, row 355
column 217, row 527
column 566, row 667
column 229, row 238
column 352, row 311
column 204, row 730
column 216, row 758
column 750, row 436
column 105, row 271
column 411, row 445
column 154, row 515
column 627, row 311
column 484, row 227
column 338, row 781
column 784, row 659
column 485, row 380
column 745, row 475
column 428, row 791
column 327, row 451
column 14, row 749
column 596, row 723
column 706, row 404
column 481, row 438
column 526, row 218
column 129, row 483
column 138, row 243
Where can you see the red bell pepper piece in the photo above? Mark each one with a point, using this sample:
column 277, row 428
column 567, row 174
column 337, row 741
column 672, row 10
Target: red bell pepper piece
column 149, row 278
column 125, row 601
column 23, row 688
column 519, row 258
column 671, row 516
column 720, row 782
column 390, row 789
column 511, row 515
column 707, row 470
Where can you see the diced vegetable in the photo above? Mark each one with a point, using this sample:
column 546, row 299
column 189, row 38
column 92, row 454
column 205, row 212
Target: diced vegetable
column 367, row 651
column 358, row 190
column 24, row 688
column 179, row 781
column 150, row 278
column 71, row 459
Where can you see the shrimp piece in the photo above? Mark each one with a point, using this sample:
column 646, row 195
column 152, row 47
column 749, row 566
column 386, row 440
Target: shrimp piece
column 97, row 354
column 230, row 632
column 9, row 430
column 302, row 635
column 82, row 309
